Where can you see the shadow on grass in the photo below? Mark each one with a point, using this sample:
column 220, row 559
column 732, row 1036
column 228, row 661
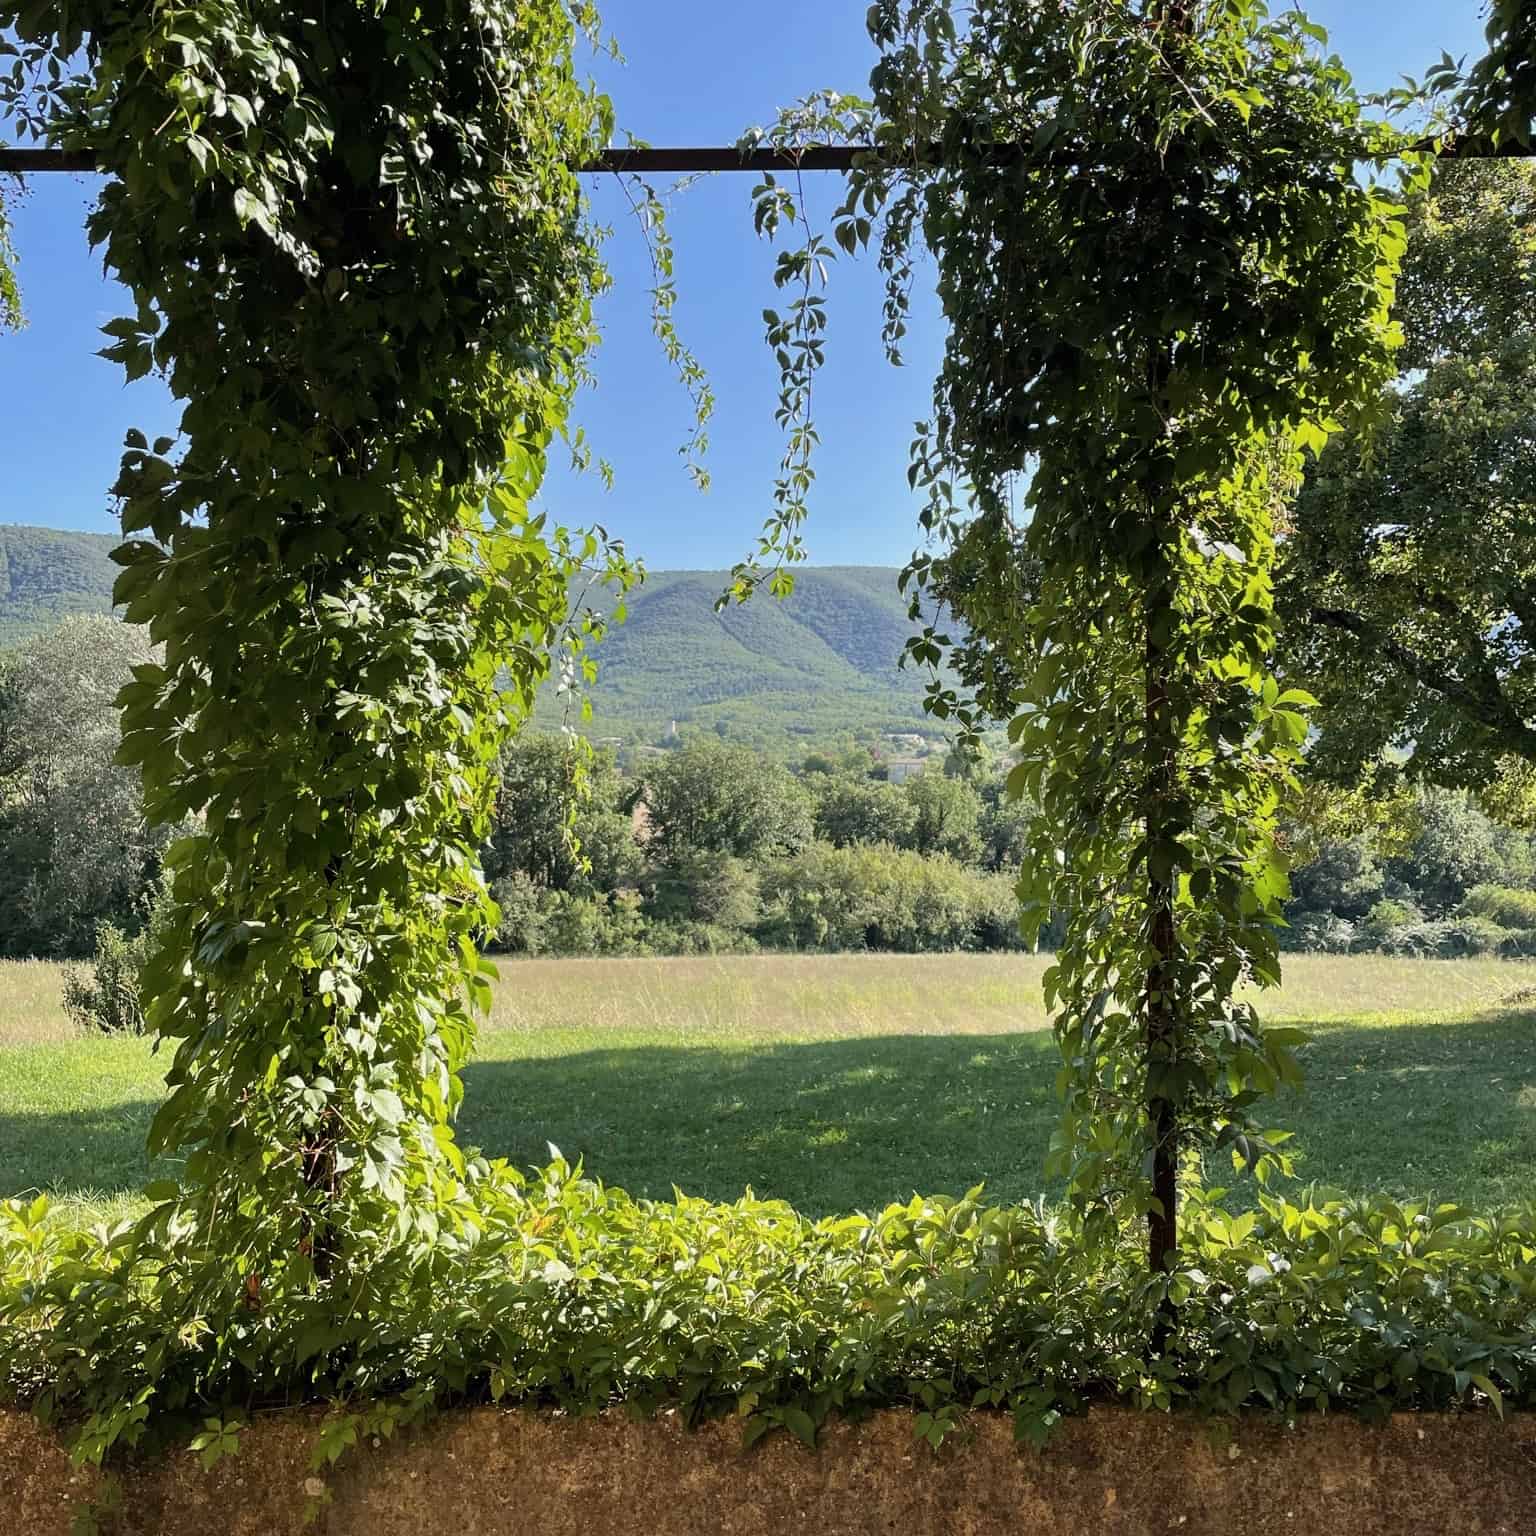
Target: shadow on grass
column 836, row 1125
column 97, row 1151
column 827, row 1125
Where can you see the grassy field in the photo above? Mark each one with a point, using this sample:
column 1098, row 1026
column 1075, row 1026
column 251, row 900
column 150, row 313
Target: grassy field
column 844, row 1082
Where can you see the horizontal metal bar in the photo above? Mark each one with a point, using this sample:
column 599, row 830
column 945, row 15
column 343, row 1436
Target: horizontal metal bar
column 816, row 157
column 823, row 157
column 25, row 161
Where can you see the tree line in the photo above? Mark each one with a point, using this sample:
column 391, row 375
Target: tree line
column 1408, row 564
column 713, row 847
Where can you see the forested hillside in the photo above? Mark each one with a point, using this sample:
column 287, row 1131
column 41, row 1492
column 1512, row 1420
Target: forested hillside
column 820, row 664
column 46, row 574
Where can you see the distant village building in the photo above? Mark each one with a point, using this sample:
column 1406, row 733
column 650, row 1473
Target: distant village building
column 899, row 769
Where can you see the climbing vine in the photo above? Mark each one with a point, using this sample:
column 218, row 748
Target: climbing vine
column 1163, row 284
column 1497, row 98
column 12, row 316
column 360, row 256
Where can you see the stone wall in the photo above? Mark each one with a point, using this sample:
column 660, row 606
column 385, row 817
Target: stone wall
column 486, row 1472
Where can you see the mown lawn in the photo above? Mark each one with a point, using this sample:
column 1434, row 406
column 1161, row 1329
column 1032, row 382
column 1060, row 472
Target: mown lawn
column 846, row 1082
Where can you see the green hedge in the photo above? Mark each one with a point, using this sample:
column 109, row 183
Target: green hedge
column 560, row 1291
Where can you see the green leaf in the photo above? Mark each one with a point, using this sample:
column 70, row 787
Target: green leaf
column 801, row 1425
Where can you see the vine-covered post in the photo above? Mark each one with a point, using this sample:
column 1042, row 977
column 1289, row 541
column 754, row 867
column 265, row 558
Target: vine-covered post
column 1163, row 284
column 1162, row 1004
column 358, row 251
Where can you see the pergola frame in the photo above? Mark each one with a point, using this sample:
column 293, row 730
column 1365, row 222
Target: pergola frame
column 642, row 160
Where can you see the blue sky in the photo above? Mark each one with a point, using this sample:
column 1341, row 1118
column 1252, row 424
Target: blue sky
column 696, row 72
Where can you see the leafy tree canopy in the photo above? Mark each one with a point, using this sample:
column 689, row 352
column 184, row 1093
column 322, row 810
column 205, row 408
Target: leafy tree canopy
column 947, row 816
column 713, row 798
column 558, row 819
column 858, row 809
column 74, row 847
column 1409, row 584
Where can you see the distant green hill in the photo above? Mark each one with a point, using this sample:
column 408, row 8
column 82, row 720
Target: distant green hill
column 819, row 665
column 46, row 574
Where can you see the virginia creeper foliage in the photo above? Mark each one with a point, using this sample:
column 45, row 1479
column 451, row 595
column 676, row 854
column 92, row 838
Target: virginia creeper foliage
column 360, row 256
column 358, row 251
column 1163, row 283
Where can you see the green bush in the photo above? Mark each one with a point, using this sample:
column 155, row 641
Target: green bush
column 874, row 897
column 714, row 889
column 691, row 938
column 1459, row 936
column 576, row 1295
column 1317, row 933
column 594, row 925
column 1503, row 905
column 1387, row 917
column 521, row 930
column 543, row 922
column 105, row 995
column 1449, row 939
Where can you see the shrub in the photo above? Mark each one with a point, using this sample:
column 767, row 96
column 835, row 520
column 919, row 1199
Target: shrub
column 1344, row 878
column 1502, row 905
column 105, row 996
column 683, row 938
column 1454, row 850
column 872, row 897
column 579, row 1296
column 542, row 922
column 1419, row 938
column 1389, row 913
column 1318, row 933
column 1450, row 938
column 700, row 887
column 523, row 917
column 593, row 925
column 1468, row 936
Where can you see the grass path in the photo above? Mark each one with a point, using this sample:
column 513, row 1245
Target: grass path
column 844, row 1082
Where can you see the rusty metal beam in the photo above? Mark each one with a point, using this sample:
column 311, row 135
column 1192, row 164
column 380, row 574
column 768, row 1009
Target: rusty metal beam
column 832, row 157
column 25, row 161
column 680, row 161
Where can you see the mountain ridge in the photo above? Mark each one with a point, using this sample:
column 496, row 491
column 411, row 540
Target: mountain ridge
column 818, row 665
